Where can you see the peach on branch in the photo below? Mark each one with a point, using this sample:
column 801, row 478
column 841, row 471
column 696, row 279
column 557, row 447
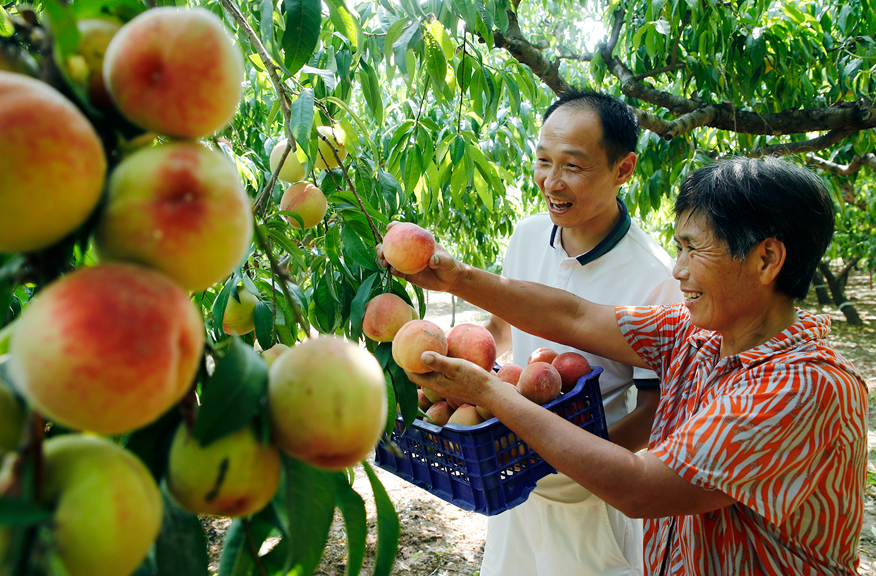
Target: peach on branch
column 328, row 402
column 108, row 348
column 234, row 476
column 414, row 338
column 271, row 354
column 292, row 170
column 540, row 382
column 473, row 343
column 543, row 354
column 408, row 248
column 107, row 507
column 510, row 373
column 95, row 36
column 571, row 366
column 52, row 165
column 239, row 318
column 180, row 208
column 385, row 314
column 307, row 201
column 175, row 72
column 325, row 158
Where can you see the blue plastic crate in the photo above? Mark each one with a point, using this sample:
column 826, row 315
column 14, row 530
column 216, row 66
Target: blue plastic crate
column 485, row 468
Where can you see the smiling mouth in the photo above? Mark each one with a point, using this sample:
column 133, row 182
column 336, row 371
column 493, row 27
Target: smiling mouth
column 690, row 296
column 559, row 206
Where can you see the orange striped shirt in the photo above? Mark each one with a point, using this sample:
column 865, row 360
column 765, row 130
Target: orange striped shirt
column 781, row 428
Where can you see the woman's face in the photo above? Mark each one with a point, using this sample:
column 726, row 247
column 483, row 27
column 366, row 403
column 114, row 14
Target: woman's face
column 722, row 293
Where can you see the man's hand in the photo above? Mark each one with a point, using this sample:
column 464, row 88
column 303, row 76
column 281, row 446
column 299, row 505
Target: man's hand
column 458, row 378
column 442, row 273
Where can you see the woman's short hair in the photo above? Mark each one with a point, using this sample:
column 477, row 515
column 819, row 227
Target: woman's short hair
column 748, row 200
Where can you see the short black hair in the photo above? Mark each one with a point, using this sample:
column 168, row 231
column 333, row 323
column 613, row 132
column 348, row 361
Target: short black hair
column 748, row 200
column 620, row 126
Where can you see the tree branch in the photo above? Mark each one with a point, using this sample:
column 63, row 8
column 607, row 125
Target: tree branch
column 525, row 52
column 819, row 143
column 851, row 168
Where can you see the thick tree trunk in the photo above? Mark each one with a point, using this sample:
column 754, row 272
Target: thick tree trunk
column 821, row 293
column 837, row 284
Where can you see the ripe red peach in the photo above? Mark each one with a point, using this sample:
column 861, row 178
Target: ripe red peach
column 543, row 354
column 540, row 382
column 385, row 314
column 234, row 476
column 414, row 338
column 510, row 373
column 328, row 402
column 439, row 413
column 473, row 343
column 408, row 248
column 180, row 208
column 292, row 170
column 175, row 72
column 454, row 403
column 52, row 165
column 107, row 349
column 466, row 415
column 571, row 366
column 307, row 201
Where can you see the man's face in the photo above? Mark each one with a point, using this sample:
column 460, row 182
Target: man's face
column 572, row 169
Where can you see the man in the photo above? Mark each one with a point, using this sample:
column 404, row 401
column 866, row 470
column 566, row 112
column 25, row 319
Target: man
column 758, row 456
column 586, row 244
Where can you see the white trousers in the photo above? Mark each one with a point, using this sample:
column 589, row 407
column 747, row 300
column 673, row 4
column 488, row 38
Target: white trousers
column 545, row 538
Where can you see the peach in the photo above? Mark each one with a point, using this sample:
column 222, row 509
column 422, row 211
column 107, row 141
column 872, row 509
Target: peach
column 96, row 34
column 385, row 314
column 108, row 348
column 473, row 343
column 52, row 165
column 408, row 248
column 328, row 402
column 107, row 509
column 432, row 395
column 454, row 403
column 466, row 415
column 325, row 158
column 234, row 476
column 414, row 338
column 439, row 413
column 571, row 366
column 540, row 382
column 175, row 72
column 271, row 354
column 423, row 402
column 543, row 354
column 292, row 170
column 180, row 208
column 239, row 318
column 510, row 373
column 307, row 201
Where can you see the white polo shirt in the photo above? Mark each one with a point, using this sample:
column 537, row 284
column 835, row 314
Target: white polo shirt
column 627, row 267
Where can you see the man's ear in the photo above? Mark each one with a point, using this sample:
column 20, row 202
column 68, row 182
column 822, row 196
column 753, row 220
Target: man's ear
column 771, row 254
column 624, row 168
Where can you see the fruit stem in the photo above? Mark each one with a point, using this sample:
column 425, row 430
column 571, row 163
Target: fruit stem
column 254, row 552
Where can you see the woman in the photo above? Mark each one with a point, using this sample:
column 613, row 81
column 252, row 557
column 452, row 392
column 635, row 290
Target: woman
column 757, row 457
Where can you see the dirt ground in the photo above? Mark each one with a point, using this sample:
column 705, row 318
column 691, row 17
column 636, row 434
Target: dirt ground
column 439, row 539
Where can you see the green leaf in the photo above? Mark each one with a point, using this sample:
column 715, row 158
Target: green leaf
column 152, row 443
column 6, row 27
column 264, row 324
column 219, row 305
column 371, row 91
column 345, row 23
column 237, row 558
column 306, row 507
column 301, row 116
column 64, row 30
column 300, row 38
column 363, row 296
column 391, row 402
column 413, row 169
column 405, row 393
column 388, row 526
column 408, row 38
column 180, row 549
column 232, row 394
column 22, row 512
column 353, row 509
